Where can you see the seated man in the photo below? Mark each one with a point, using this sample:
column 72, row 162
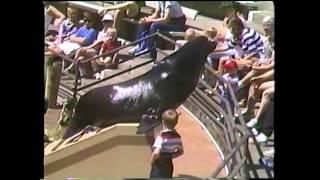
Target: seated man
column 266, row 62
column 83, row 37
column 224, row 35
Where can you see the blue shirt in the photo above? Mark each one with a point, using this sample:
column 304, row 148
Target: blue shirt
column 89, row 34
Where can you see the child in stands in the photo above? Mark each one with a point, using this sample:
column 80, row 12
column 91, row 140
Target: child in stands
column 111, row 61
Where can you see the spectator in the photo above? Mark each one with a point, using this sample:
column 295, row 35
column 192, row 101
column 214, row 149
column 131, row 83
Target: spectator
column 231, row 10
column 231, row 75
column 111, row 61
column 93, row 49
column 120, row 10
column 168, row 145
column 247, row 42
column 266, row 62
column 69, row 26
column 51, row 12
column 224, row 38
column 83, row 37
column 167, row 17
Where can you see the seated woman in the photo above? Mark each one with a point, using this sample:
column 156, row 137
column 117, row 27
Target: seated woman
column 50, row 13
column 167, row 17
column 69, row 26
column 83, row 37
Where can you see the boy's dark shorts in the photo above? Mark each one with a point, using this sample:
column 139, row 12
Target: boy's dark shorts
column 162, row 168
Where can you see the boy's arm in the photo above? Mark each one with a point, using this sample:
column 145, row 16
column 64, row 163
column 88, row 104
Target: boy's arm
column 94, row 44
column 180, row 152
column 157, row 147
column 100, row 52
column 155, row 155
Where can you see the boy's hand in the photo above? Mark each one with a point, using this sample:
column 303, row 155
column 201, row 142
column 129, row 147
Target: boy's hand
column 155, row 155
column 256, row 80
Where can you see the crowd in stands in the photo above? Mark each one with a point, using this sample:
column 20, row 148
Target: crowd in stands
column 243, row 56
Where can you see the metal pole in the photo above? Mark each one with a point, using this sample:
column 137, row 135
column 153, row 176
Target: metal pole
column 233, row 151
column 53, row 81
column 114, row 75
column 120, row 48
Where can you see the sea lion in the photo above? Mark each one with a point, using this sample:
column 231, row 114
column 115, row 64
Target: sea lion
column 144, row 98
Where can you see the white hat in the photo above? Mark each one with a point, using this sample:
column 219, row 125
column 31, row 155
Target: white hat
column 107, row 17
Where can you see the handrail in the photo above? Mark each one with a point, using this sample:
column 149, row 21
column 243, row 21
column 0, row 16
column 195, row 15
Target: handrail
column 114, row 75
column 120, row 48
column 233, row 151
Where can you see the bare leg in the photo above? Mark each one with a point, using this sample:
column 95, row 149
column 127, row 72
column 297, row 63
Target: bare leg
column 266, row 85
column 252, row 98
column 52, row 50
column 267, row 97
column 246, row 79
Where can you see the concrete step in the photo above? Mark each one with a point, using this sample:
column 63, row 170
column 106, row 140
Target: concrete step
column 257, row 16
column 265, row 6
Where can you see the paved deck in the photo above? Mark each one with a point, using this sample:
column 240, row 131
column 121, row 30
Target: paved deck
column 201, row 157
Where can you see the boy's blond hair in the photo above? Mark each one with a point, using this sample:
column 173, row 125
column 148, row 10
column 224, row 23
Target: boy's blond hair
column 190, row 34
column 170, row 118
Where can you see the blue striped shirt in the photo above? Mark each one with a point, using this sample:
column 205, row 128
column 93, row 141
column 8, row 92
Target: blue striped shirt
column 169, row 142
column 250, row 42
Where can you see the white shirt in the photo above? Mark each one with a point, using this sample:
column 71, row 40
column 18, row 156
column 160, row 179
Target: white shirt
column 102, row 34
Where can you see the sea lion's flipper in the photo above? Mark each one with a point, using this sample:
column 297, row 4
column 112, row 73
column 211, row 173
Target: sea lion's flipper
column 148, row 121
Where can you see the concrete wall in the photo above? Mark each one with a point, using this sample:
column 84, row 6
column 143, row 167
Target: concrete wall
column 101, row 156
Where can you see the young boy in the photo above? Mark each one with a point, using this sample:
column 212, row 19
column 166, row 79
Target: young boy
column 230, row 74
column 168, row 145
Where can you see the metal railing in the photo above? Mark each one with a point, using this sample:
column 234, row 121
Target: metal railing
column 234, row 137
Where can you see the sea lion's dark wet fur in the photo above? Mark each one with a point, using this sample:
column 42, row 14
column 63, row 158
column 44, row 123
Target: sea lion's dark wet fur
column 166, row 86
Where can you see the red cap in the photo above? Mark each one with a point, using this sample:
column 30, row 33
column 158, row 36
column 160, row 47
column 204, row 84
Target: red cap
column 230, row 64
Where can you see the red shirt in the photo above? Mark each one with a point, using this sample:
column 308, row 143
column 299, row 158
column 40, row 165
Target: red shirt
column 110, row 45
